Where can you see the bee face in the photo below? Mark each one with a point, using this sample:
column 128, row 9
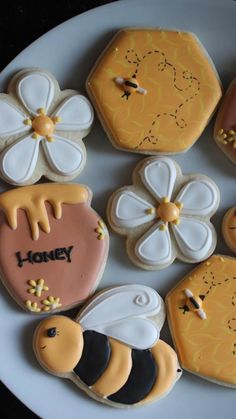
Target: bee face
column 229, row 228
column 58, row 343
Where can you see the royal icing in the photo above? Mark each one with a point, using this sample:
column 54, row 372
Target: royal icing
column 177, row 225
column 150, row 96
column 51, row 256
column 229, row 228
column 101, row 361
column 201, row 314
column 27, row 119
column 225, row 125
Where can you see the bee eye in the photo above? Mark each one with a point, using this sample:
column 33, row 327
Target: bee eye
column 51, row 333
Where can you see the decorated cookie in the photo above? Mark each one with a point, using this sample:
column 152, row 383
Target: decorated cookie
column 201, row 315
column 41, row 129
column 53, row 246
column 225, row 125
column 154, row 90
column 165, row 215
column 229, row 228
column 112, row 349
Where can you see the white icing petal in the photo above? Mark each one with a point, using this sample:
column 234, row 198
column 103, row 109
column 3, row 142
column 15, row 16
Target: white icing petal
column 154, row 247
column 36, row 90
column 11, row 120
column 76, row 114
column 159, row 176
column 128, row 210
column 199, row 197
column 19, row 160
column 194, row 238
column 65, row 156
column 136, row 332
column 120, row 303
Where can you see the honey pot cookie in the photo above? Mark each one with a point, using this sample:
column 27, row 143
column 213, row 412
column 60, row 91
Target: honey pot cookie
column 201, row 316
column 154, row 90
column 41, row 129
column 112, row 349
column 53, row 246
column 225, row 125
column 229, row 228
column 165, row 215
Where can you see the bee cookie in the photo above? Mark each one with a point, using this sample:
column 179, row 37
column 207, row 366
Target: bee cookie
column 225, row 125
column 53, row 246
column 112, row 349
column 229, row 229
column 165, row 215
column 154, row 90
column 41, row 129
column 201, row 316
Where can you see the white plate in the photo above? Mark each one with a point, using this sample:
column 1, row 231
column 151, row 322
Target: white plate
column 69, row 51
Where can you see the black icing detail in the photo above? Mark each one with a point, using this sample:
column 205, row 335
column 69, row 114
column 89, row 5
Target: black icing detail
column 61, row 253
column 95, row 357
column 194, row 302
column 131, row 84
column 52, row 332
column 202, row 296
column 141, row 379
column 184, row 308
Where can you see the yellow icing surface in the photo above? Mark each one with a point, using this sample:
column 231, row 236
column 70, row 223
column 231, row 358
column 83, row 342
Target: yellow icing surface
column 207, row 347
column 229, row 228
column 182, row 90
column 32, row 199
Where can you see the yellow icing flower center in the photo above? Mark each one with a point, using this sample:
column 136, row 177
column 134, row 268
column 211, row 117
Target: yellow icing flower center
column 168, row 212
column 43, row 125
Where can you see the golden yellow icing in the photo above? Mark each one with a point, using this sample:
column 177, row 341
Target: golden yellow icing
column 167, row 364
column 207, row 346
column 180, row 85
column 117, row 371
column 229, row 228
column 59, row 354
column 32, row 199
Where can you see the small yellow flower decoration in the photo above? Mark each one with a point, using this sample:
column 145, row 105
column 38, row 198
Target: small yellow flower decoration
column 51, row 303
column 32, row 306
column 101, row 230
column 37, row 286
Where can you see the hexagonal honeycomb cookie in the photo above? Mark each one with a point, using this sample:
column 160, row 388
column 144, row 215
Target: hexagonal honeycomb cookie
column 154, row 90
column 202, row 319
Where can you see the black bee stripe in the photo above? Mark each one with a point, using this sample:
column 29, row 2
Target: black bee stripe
column 131, row 84
column 141, row 379
column 194, row 302
column 95, row 357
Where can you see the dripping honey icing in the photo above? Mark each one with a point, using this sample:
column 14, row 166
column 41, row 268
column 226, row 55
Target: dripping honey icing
column 53, row 245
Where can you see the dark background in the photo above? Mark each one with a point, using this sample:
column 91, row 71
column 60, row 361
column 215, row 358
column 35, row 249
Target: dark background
column 21, row 23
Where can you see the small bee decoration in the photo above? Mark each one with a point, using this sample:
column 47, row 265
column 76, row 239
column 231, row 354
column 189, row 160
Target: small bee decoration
column 130, row 86
column 194, row 304
column 112, row 349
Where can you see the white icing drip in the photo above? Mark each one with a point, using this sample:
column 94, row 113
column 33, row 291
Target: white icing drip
column 122, row 313
column 35, row 90
column 19, row 160
column 76, row 114
column 65, row 156
column 154, row 247
column 159, row 176
column 129, row 210
column 194, row 238
column 199, row 197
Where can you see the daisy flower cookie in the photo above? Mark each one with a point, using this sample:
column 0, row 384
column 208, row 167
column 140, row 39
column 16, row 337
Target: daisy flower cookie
column 165, row 215
column 41, row 129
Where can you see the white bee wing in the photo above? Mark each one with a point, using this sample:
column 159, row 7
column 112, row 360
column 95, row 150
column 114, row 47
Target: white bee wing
column 121, row 313
column 76, row 114
column 19, row 160
column 35, row 90
column 65, row 156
